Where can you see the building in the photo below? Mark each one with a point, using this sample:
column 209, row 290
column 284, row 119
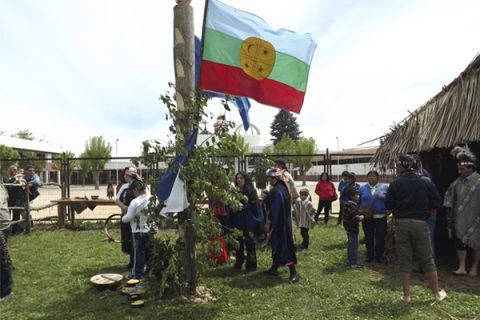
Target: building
column 44, row 152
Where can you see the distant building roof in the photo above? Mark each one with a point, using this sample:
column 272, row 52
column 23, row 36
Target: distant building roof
column 29, row 145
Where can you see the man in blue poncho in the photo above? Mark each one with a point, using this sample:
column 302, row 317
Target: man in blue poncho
column 279, row 225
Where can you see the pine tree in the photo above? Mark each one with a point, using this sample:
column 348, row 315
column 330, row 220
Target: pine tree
column 284, row 123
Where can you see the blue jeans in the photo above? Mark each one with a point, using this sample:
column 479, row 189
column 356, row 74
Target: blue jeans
column 142, row 243
column 352, row 248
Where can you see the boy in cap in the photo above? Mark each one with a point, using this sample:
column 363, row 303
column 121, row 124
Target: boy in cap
column 304, row 216
column 351, row 222
column 138, row 219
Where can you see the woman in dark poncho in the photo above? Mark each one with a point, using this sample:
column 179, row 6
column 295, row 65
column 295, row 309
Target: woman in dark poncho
column 248, row 220
column 279, row 225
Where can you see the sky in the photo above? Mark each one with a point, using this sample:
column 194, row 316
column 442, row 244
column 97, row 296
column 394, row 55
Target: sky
column 70, row 70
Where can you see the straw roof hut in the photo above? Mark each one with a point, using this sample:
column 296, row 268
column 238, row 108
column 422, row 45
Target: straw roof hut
column 449, row 118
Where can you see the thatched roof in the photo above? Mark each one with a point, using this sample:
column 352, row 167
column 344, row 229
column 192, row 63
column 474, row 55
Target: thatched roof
column 450, row 117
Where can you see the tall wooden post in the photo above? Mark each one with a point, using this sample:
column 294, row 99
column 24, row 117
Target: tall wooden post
column 184, row 61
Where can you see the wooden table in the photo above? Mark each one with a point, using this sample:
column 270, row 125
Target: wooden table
column 63, row 203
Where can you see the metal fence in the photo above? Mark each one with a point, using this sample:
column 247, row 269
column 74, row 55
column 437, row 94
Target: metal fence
column 62, row 178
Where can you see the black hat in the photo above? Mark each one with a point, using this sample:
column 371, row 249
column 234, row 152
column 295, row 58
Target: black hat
column 405, row 160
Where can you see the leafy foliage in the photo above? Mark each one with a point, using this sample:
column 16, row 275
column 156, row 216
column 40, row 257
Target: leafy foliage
column 24, row 134
column 99, row 151
column 7, row 153
column 208, row 175
column 293, row 152
column 307, row 147
column 261, row 165
column 284, row 123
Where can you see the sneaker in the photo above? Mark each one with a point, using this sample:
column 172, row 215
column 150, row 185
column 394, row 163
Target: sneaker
column 294, row 278
column 356, row 266
column 440, row 295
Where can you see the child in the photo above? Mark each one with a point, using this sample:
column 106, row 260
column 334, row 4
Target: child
column 110, row 192
column 142, row 237
column 351, row 221
column 304, row 216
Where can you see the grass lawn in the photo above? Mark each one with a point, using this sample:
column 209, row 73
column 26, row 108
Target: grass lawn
column 53, row 268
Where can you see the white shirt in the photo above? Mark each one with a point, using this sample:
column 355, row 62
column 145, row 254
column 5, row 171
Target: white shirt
column 135, row 214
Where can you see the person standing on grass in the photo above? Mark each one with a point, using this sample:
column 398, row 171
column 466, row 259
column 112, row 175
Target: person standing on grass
column 279, row 225
column 304, row 216
column 141, row 230
column 462, row 200
column 372, row 200
column 350, row 182
column 341, row 185
column 411, row 197
column 281, row 167
column 249, row 221
column 326, row 195
column 6, row 267
column 16, row 197
column 123, row 198
column 351, row 222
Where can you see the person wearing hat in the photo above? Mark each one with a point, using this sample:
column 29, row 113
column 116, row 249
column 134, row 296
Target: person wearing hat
column 411, row 197
column 350, row 182
column 140, row 228
column 279, row 225
column 281, row 167
column 123, row 198
column 304, row 216
column 462, row 201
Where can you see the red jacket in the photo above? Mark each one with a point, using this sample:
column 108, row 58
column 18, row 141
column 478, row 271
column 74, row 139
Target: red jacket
column 326, row 190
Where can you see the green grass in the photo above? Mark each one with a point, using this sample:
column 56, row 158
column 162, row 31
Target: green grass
column 53, row 268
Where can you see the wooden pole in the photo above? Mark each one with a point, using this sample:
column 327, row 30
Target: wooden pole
column 184, row 62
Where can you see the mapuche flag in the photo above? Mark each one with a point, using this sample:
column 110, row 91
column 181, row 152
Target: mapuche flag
column 243, row 56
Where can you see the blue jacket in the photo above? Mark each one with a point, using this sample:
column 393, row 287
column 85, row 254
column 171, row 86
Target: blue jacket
column 366, row 198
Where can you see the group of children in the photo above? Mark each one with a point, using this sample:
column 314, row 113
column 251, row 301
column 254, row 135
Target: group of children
column 305, row 213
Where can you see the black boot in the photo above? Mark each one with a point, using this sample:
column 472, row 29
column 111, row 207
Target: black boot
column 294, row 276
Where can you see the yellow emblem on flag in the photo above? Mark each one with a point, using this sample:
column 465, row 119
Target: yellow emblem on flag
column 257, row 57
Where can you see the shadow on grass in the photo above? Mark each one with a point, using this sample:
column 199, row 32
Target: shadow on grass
column 334, row 246
column 227, row 271
column 258, row 280
column 112, row 305
column 394, row 309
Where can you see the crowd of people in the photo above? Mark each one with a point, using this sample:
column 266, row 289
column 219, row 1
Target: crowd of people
column 412, row 198
column 21, row 187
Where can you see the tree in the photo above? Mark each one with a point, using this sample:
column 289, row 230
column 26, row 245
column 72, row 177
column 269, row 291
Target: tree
column 6, row 153
column 31, row 158
column 23, row 134
column 304, row 163
column 73, row 163
column 84, row 166
column 99, row 151
column 284, row 123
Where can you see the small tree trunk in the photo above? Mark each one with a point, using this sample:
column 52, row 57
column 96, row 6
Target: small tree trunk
column 96, row 179
column 184, row 62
